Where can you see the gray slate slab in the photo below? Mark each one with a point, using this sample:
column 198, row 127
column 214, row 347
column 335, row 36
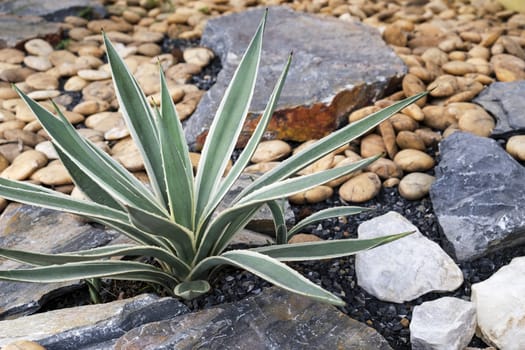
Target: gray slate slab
column 29, row 228
column 273, row 320
column 478, row 196
column 15, row 29
column 506, row 103
column 93, row 327
column 47, row 7
column 337, row 66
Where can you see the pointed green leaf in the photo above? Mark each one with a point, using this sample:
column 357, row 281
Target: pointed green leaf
column 270, row 270
column 192, row 289
column 176, row 163
column 41, row 259
column 179, row 236
column 66, row 138
column 289, row 187
column 281, row 231
column 227, row 124
column 324, row 249
column 251, row 146
column 326, row 214
column 88, row 186
column 125, row 270
column 139, row 118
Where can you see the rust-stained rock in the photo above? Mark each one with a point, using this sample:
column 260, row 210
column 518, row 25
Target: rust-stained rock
column 338, row 66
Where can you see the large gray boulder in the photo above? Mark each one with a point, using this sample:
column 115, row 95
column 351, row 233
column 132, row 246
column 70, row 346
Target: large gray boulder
column 506, row 103
column 337, row 66
column 273, row 320
column 478, row 196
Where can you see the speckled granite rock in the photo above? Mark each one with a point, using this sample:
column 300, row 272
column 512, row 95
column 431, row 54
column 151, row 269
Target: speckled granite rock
column 337, row 66
column 273, row 320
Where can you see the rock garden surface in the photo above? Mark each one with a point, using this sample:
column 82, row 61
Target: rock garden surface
column 453, row 170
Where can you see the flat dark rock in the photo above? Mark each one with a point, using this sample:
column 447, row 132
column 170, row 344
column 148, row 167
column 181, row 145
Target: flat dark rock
column 91, row 326
column 273, row 320
column 506, row 103
column 29, row 228
column 337, row 66
column 478, row 196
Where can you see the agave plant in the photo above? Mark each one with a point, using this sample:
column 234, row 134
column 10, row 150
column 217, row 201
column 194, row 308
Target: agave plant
column 173, row 221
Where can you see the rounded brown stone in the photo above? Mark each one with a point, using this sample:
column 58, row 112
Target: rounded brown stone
column 361, row 113
column 16, row 75
column 99, row 90
column 75, row 84
column 392, row 182
column 443, row 86
column 9, row 55
column 199, row 56
column 24, row 165
column 411, row 160
column 360, row 188
column 149, row 49
column 38, row 47
column 410, row 140
column 516, row 147
column 321, row 164
column 303, row 238
column 59, row 57
column 11, row 125
column 344, row 162
column 91, row 107
column 415, row 186
column 413, row 85
column 38, row 63
column 477, row 122
column 389, row 137
column 261, row 168
column 385, row 168
column 459, row 68
column 54, row 174
column 429, row 137
column 25, row 137
column 395, row 35
column 402, row 122
column 414, row 112
column 372, row 145
column 104, row 121
column 42, row 81
column 508, row 68
column 435, row 55
column 436, row 118
column 314, row 195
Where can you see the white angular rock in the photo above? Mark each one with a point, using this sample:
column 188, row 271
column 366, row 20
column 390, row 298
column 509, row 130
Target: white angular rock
column 404, row 269
column 445, row 323
column 500, row 304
